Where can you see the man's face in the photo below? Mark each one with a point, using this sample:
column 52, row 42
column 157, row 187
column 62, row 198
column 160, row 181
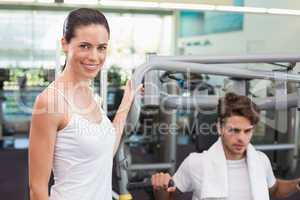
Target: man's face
column 236, row 133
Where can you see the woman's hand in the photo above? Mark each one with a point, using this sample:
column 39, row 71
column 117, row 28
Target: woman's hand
column 129, row 94
column 121, row 115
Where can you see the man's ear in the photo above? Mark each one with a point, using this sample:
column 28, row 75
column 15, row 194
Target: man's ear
column 64, row 45
column 219, row 128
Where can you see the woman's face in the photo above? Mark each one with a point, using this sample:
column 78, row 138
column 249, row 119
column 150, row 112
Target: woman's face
column 86, row 52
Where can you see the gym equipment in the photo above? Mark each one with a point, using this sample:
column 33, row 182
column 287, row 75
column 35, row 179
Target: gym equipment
column 145, row 183
column 4, row 77
column 206, row 65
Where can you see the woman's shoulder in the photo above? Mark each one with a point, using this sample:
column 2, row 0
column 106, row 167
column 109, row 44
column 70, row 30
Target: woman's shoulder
column 42, row 99
column 47, row 114
column 49, row 98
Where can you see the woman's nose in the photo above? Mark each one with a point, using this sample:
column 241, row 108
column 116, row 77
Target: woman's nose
column 93, row 54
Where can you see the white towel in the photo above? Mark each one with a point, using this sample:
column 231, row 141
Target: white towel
column 215, row 180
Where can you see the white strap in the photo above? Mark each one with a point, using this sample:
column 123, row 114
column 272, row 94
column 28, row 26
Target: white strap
column 61, row 93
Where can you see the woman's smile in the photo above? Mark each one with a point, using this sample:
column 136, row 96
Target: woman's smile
column 91, row 67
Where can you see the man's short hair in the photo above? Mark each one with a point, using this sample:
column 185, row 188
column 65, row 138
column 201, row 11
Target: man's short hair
column 237, row 105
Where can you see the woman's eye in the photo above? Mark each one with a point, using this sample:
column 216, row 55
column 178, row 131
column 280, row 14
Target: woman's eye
column 84, row 46
column 102, row 48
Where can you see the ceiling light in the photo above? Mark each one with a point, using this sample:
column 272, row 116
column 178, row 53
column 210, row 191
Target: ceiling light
column 283, row 11
column 133, row 4
column 80, row 1
column 186, row 6
column 241, row 9
column 196, row 7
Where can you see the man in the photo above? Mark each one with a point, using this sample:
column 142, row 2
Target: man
column 231, row 169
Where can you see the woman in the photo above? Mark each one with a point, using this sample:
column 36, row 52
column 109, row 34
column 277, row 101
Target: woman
column 69, row 132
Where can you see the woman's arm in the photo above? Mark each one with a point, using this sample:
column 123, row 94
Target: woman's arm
column 41, row 147
column 122, row 112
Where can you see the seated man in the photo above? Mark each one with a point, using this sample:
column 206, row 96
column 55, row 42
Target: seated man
column 231, row 169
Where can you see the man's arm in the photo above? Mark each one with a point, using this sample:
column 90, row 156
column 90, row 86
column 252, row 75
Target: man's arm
column 161, row 189
column 181, row 179
column 284, row 188
column 161, row 194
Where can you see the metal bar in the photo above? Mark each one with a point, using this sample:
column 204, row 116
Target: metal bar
column 216, row 70
column 273, row 103
column 181, row 102
column 103, row 89
column 150, row 166
column 296, row 134
column 173, row 143
column 210, row 102
column 122, row 169
column 272, row 147
column 152, row 85
column 238, row 59
column 200, row 68
column 170, row 139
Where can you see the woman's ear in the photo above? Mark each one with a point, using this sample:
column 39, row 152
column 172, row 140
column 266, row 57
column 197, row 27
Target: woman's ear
column 64, row 45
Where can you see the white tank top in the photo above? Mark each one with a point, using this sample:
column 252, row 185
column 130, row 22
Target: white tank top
column 83, row 159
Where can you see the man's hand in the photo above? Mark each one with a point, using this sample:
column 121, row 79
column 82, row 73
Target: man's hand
column 162, row 181
column 284, row 188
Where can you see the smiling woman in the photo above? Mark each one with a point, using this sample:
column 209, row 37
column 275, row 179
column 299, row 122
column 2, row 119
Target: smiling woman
column 86, row 52
column 70, row 134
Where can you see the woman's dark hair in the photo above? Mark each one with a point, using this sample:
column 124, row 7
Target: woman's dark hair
column 237, row 105
column 83, row 17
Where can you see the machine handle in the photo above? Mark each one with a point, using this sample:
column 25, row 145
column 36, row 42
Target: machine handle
column 146, row 183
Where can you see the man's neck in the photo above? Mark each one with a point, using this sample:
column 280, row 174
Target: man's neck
column 232, row 156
